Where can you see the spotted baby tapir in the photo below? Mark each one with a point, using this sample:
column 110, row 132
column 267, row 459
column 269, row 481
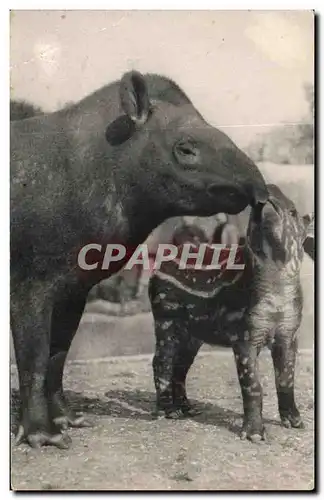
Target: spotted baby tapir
column 248, row 309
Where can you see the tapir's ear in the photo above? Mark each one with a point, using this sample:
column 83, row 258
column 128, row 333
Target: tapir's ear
column 230, row 235
column 309, row 241
column 308, row 220
column 134, row 97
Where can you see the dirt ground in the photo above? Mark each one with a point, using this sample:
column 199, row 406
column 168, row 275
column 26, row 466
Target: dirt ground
column 128, row 450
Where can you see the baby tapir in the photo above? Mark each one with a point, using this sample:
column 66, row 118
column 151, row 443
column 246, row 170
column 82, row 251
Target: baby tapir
column 258, row 305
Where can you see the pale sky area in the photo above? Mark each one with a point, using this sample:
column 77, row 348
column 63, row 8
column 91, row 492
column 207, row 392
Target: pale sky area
column 242, row 70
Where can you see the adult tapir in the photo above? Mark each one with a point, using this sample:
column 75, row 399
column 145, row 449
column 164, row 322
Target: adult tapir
column 109, row 168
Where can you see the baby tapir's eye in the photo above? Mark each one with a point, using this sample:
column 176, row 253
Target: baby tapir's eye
column 293, row 212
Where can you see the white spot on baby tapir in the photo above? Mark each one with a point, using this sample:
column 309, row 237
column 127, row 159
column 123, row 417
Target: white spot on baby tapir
column 50, row 176
column 190, row 306
column 245, row 371
column 222, row 310
column 245, row 361
column 166, row 324
column 163, row 383
column 246, row 336
column 255, row 394
column 203, row 317
column 233, row 338
column 232, row 316
column 172, row 306
column 162, row 296
column 255, row 385
column 161, row 343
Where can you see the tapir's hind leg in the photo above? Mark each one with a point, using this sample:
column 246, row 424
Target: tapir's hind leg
column 30, row 322
column 186, row 353
column 163, row 360
column 67, row 312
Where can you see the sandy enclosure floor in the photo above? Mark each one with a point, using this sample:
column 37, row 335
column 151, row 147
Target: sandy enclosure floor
column 128, row 450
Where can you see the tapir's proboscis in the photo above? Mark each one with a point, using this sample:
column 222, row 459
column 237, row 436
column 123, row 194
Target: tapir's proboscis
column 107, row 169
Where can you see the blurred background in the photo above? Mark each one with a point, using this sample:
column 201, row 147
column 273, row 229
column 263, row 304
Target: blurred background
column 250, row 73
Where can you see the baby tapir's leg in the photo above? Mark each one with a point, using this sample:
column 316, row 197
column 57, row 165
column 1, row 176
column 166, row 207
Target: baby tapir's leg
column 284, row 350
column 246, row 358
column 163, row 362
column 187, row 350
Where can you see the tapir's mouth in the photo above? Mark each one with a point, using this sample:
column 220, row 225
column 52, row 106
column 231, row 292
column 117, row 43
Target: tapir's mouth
column 228, row 196
column 274, row 205
column 230, row 192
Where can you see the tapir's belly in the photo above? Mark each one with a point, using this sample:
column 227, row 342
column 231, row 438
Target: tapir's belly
column 215, row 323
column 212, row 320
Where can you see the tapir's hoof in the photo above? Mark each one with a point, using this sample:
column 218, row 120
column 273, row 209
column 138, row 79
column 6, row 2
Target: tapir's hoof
column 292, row 421
column 252, row 432
column 64, row 421
column 191, row 411
column 63, row 416
column 172, row 414
column 177, row 413
column 38, row 439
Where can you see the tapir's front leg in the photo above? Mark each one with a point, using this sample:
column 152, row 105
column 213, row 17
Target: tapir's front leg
column 67, row 312
column 31, row 309
column 246, row 355
column 284, row 350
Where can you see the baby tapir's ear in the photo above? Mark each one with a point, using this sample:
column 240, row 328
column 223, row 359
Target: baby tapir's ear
column 230, row 235
column 309, row 241
column 134, row 97
column 309, row 220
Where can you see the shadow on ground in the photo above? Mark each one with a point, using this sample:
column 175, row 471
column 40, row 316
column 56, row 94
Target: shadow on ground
column 139, row 405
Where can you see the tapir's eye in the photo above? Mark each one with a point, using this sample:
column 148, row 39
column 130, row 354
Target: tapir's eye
column 293, row 212
column 186, row 151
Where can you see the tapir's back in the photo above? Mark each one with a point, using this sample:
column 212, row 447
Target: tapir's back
column 209, row 303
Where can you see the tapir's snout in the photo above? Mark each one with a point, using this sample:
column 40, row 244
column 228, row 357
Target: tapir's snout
column 235, row 169
column 251, row 180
